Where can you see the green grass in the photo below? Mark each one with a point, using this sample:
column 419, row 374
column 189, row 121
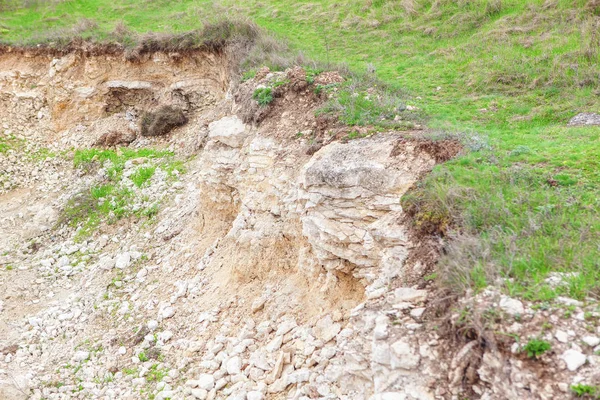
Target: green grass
column 142, row 175
column 4, row 146
column 363, row 100
column 10, row 142
column 263, row 96
column 156, row 374
column 586, row 391
column 110, row 200
column 536, row 347
column 130, row 371
column 87, row 158
column 20, row 146
column 504, row 74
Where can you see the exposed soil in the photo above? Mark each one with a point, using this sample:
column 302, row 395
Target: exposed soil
column 278, row 263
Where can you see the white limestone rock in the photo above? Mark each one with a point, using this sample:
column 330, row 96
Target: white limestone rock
column 230, row 131
column 574, row 359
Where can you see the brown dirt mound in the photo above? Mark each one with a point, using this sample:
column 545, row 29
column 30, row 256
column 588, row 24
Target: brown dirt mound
column 116, row 138
column 440, row 150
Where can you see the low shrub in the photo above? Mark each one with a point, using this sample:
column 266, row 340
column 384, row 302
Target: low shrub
column 161, row 122
column 586, row 391
column 536, row 347
column 263, row 96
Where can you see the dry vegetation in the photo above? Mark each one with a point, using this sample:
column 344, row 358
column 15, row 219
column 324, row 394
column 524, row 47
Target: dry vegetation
column 162, row 121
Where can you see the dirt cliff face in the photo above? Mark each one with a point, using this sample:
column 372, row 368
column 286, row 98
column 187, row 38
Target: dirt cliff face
column 274, row 265
column 67, row 96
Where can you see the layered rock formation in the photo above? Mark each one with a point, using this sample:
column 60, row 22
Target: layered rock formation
column 276, row 267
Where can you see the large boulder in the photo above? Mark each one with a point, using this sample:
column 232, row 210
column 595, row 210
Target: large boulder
column 230, row 131
column 351, row 195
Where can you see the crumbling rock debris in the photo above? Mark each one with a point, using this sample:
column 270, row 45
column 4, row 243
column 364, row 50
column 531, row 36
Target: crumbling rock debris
column 328, row 78
column 267, row 272
column 262, row 73
column 585, row 119
column 297, row 78
column 116, row 138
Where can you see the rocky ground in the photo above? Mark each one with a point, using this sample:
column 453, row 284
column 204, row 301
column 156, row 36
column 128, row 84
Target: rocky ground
column 249, row 254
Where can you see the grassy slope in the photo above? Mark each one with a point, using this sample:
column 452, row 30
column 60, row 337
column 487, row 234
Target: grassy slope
column 512, row 71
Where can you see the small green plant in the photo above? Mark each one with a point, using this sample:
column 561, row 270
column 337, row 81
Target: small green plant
column 142, row 175
column 355, row 135
column 588, row 315
column 311, row 74
column 151, row 211
column 9, row 267
column 155, row 374
column 280, row 83
column 546, row 326
column 588, row 391
column 318, row 89
column 520, row 150
column 430, row 277
column 247, row 75
column 130, row 371
column 536, row 347
column 263, row 96
column 143, row 357
column 569, row 312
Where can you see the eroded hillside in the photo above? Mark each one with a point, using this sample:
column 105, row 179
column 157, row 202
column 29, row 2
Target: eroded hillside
column 256, row 252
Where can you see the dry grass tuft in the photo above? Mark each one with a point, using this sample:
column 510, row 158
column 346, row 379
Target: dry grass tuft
column 409, row 7
column 493, row 7
column 162, row 121
column 593, row 6
column 246, row 45
column 467, row 264
column 590, row 32
column 214, row 37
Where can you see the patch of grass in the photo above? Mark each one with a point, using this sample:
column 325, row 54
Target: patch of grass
column 311, row 74
column 155, row 374
column 142, row 175
column 586, row 391
column 41, row 154
column 130, row 371
column 263, row 96
column 355, row 135
column 364, row 100
column 10, row 142
column 87, row 159
column 515, row 222
column 247, row 75
column 4, row 146
column 111, row 200
column 536, row 347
